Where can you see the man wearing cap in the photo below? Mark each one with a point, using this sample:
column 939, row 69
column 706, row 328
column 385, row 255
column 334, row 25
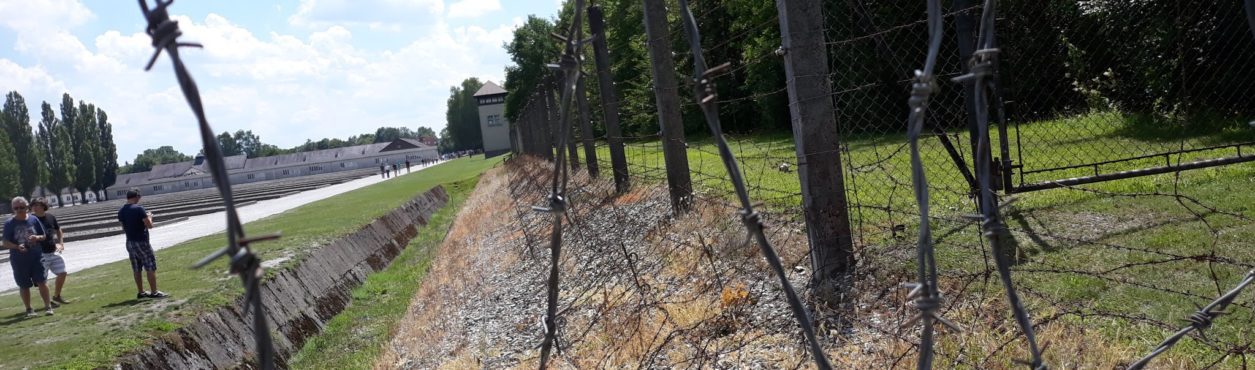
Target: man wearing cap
column 135, row 222
column 52, row 247
column 22, row 236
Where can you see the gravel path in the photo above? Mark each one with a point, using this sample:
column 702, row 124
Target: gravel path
column 95, row 252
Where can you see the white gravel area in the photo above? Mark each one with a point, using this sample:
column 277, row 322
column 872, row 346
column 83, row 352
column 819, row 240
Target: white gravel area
column 85, row 254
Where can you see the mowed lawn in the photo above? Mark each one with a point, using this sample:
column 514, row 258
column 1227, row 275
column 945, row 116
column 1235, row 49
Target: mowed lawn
column 1127, row 248
column 105, row 320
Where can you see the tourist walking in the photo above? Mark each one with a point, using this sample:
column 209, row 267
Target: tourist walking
column 135, row 223
column 22, row 235
column 52, row 247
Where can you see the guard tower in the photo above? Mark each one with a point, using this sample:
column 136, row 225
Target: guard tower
column 493, row 127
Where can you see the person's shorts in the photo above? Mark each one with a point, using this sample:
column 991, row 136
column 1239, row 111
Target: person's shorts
column 53, row 262
column 28, row 272
column 141, row 254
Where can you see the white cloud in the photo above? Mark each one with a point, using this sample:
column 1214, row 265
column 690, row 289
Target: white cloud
column 43, row 14
column 473, row 8
column 377, row 14
column 283, row 87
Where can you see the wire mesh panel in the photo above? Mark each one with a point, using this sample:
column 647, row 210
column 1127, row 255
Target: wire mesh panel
column 1098, row 87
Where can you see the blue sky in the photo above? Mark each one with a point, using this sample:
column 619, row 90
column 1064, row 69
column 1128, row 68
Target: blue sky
column 289, row 70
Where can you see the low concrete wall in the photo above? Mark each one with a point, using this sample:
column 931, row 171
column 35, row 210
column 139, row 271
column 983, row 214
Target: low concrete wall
column 299, row 300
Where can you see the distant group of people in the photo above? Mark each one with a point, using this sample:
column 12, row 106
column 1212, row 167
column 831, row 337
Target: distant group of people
column 387, row 171
column 36, row 242
column 461, row 153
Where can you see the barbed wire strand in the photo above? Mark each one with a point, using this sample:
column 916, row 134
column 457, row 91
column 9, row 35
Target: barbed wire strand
column 569, row 65
column 1250, row 15
column 1199, row 321
column 1202, row 319
column 705, row 92
column 925, row 294
column 165, row 33
column 982, row 71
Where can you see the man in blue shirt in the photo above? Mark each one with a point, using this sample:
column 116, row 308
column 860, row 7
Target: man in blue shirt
column 22, row 237
column 135, row 222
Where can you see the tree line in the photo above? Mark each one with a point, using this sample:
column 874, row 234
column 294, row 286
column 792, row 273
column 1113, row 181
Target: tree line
column 75, row 149
column 249, row 144
column 462, row 130
column 1187, row 64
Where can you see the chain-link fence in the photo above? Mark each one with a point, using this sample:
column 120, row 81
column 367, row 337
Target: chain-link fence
column 1062, row 90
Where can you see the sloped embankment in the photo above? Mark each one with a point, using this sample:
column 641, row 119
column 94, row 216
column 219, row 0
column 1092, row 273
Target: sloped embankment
column 298, row 300
column 640, row 287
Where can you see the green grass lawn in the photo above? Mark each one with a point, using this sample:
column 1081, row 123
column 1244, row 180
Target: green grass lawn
column 105, row 320
column 355, row 337
column 1081, row 252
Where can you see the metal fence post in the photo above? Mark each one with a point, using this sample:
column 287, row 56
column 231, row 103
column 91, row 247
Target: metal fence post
column 525, row 129
column 586, row 129
column 667, row 95
column 540, row 123
column 548, row 122
column 573, row 151
column 609, row 100
column 817, row 143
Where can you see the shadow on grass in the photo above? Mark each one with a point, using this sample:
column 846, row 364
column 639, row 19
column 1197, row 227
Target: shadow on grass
column 14, row 318
column 1209, row 129
column 129, row 302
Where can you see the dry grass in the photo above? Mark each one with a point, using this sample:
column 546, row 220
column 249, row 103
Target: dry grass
column 456, row 268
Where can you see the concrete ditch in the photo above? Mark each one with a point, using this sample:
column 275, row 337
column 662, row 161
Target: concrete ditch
column 299, row 300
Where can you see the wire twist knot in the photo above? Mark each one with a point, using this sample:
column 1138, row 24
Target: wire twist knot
column 164, row 31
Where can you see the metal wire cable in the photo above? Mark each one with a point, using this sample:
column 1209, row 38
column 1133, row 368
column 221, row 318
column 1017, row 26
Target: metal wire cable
column 165, row 33
column 981, row 75
column 1250, row 15
column 925, row 294
column 704, row 89
column 569, row 65
column 1199, row 321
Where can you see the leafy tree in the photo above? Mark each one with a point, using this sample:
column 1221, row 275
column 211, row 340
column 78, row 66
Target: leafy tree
column 462, row 116
column 228, row 144
column 64, row 136
column 425, row 132
column 531, row 49
column 446, row 141
column 250, row 144
column 9, row 185
column 107, row 170
column 152, row 157
column 54, row 141
column 387, row 134
column 86, row 146
column 18, row 127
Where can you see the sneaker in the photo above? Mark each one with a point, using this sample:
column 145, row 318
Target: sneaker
column 158, row 294
column 58, row 299
column 30, row 313
column 142, row 295
column 48, row 312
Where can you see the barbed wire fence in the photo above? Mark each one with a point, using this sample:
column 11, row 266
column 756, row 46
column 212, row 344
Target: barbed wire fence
column 876, row 162
column 971, row 127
